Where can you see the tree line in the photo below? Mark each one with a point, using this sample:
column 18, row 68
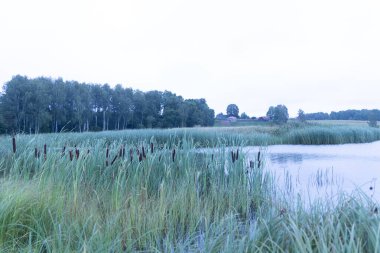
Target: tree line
column 35, row 105
column 345, row 115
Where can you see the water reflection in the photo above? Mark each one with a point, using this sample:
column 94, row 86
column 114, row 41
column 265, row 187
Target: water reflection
column 315, row 171
column 283, row 158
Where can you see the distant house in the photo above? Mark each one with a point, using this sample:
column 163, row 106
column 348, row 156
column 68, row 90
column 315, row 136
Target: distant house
column 232, row 119
column 264, row 119
column 220, row 116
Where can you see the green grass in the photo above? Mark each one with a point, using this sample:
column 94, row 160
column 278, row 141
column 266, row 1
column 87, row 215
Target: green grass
column 238, row 123
column 161, row 205
column 341, row 122
column 268, row 134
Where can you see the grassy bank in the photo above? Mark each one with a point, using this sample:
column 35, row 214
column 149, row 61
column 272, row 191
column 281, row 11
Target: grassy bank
column 291, row 133
column 163, row 201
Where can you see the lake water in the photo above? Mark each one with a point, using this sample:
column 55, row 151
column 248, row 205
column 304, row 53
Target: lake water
column 323, row 171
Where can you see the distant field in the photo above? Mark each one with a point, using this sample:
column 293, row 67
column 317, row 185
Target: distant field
column 341, row 122
column 223, row 123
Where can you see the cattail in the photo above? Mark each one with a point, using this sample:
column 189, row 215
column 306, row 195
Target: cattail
column 233, row 156
column 88, row 151
column 131, row 155
column 77, row 153
column 140, row 157
column 283, row 211
column 159, row 158
column 107, row 155
column 121, row 151
column 45, row 151
column 258, row 159
column 237, row 154
column 251, row 164
column 35, row 152
column 143, row 152
column 123, row 245
column 114, row 159
column 14, row 144
column 151, row 147
column 173, row 155
column 63, row 151
column 212, row 157
column 71, row 155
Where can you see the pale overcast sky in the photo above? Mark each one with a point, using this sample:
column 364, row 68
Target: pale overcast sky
column 319, row 55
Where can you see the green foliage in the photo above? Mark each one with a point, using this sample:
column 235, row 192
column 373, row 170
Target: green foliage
column 46, row 105
column 244, row 116
column 278, row 114
column 233, row 110
column 372, row 120
column 270, row 113
column 363, row 115
column 301, row 115
column 373, row 123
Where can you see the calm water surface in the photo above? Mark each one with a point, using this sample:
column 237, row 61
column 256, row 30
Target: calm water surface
column 320, row 171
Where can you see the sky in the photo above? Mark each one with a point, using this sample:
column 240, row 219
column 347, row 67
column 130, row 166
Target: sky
column 313, row 55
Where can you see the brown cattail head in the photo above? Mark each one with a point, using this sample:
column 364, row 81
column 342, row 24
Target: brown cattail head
column 14, row 144
column 71, row 155
column 131, row 155
column 143, row 152
column 138, row 152
column 233, row 156
column 63, row 150
column 251, row 164
column 77, row 153
column 140, row 157
column 45, row 151
column 258, row 156
column 121, row 151
column 114, row 159
column 212, row 157
column 35, row 152
column 151, row 147
column 107, row 152
column 88, row 151
column 173, row 155
column 123, row 245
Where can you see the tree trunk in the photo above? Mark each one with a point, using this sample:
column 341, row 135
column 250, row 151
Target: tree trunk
column 104, row 120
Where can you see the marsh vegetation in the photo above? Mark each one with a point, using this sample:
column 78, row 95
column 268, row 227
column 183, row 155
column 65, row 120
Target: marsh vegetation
column 156, row 191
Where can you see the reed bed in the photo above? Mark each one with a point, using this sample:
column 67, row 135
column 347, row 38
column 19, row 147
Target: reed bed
column 291, row 133
column 109, row 192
